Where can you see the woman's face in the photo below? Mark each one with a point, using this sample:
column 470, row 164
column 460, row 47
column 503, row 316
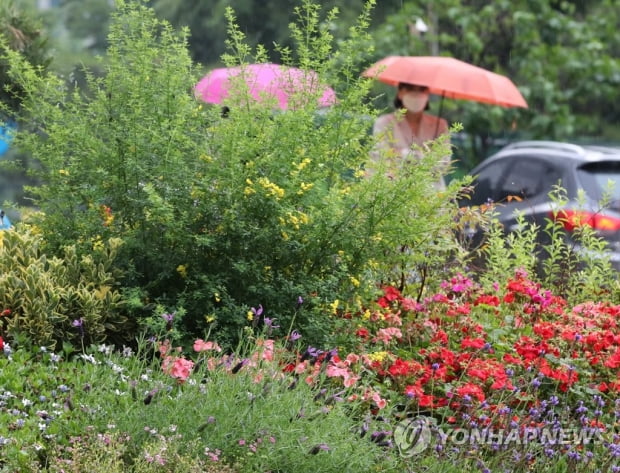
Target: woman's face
column 413, row 97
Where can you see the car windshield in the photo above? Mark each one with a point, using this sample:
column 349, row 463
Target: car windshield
column 601, row 179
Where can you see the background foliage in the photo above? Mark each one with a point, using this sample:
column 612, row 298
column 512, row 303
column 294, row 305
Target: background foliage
column 562, row 55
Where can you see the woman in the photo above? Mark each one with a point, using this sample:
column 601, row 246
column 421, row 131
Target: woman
column 403, row 133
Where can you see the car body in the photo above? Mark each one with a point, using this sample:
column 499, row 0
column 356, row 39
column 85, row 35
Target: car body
column 521, row 176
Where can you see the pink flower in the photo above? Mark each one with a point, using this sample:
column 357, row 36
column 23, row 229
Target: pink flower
column 201, row 345
column 352, row 358
column 178, row 368
column 350, row 381
column 386, row 334
column 379, row 401
column 267, row 350
column 334, row 370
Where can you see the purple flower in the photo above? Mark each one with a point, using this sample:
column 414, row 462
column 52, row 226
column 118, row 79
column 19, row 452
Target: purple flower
column 317, row 448
column 300, row 301
column 169, row 318
column 311, row 352
column 79, row 323
column 295, row 335
column 257, row 312
column 270, row 323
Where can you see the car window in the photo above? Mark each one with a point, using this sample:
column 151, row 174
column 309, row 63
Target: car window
column 522, row 177
column 528, row 179
column 599, row 178
column 487, row 183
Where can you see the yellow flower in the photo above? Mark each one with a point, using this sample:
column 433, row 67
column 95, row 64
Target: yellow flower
column 250, row 315
column 63, row 172
column 334, row 306
column 210, row 318
column 378, row 356
column 216, row 296
column 304, row 187
column 271, row 188
column 366, row 314
column 249, row 189
column 182, row 270
column 304, row 163
column 354, row 281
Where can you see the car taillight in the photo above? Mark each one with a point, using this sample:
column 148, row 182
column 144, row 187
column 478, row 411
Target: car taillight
column 572, row 219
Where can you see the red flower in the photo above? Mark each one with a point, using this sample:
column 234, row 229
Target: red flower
column 401, row 367
column 545, row 329
column 362, row 333
column 487, row 299
column 476, row 343
column 613, row 361
column 390, row 294
column 413, row 390
column 441, row 337
column 1, row 344
column 508, row 358
column 472, row 390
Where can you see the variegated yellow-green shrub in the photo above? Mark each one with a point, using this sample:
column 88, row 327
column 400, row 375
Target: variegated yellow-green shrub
column 71, row 299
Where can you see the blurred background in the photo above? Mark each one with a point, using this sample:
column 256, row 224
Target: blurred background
column 563, row 56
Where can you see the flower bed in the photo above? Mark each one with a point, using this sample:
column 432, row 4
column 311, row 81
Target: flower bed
column 511, row 379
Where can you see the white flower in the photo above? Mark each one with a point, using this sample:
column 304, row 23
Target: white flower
column 105, row 349
column 127, row 351
column 89, row 358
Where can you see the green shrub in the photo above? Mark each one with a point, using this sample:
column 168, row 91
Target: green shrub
column 260, row 208
column 58, row 300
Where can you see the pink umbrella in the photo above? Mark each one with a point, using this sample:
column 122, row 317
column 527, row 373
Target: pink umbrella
column 265, row 81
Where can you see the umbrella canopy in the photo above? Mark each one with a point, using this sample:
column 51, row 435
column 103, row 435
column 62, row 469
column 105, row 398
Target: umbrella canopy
column 265, row 80
column 448, row 77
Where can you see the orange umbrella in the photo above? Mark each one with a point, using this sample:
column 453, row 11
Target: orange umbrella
column 448, row 77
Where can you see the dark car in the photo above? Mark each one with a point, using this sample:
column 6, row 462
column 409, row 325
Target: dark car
column 521, row 176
